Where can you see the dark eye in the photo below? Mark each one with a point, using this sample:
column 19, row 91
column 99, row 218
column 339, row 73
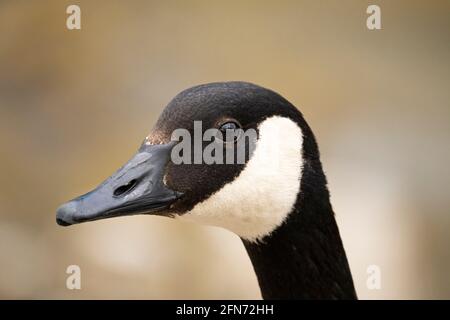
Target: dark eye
column 229, row 126
column 230, row 131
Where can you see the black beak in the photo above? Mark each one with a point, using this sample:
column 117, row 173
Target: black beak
column 136, row 188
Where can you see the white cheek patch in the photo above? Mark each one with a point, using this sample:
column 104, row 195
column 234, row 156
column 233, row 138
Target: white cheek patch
column 261, row 197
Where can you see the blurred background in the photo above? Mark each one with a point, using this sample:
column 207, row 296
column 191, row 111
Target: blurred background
column 75, row 105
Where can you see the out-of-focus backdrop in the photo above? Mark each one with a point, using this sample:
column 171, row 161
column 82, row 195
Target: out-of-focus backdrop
column 75, row 105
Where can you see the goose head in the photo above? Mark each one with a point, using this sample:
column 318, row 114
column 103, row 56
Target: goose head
column 223, row 154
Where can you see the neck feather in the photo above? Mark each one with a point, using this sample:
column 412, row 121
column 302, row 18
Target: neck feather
column 304, row 258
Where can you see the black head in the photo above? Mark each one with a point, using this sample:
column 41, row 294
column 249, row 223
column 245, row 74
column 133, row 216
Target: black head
column 153, row 183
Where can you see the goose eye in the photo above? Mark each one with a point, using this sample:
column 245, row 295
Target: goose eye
column 230, row 131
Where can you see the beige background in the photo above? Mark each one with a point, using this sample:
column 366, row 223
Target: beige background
column 75, row 105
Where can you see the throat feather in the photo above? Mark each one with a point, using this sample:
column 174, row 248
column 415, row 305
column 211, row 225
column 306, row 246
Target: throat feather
column 260, row 198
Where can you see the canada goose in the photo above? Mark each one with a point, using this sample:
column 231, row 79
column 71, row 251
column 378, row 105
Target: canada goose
column 280, row 209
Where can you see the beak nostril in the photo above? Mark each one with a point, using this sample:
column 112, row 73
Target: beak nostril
column 125, row 188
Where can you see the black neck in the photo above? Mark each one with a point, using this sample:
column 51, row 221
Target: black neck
column 304, row 258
